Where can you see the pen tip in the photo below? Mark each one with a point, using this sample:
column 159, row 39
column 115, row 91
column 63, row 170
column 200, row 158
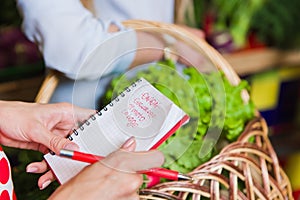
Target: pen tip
column 184, row 177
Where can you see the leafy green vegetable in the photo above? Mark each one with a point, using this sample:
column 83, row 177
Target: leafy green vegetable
column 277, row 23
column 273, row 22
column 216, row 109
column 234, row 16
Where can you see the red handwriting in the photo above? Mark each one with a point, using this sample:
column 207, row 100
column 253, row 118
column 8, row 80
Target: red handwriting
column 131, row 121
column 140, row 109
column 150, row 99
column 143, row 107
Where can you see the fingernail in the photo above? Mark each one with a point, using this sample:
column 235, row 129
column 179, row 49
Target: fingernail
column 45, row 184
column 71, row 146
column 128, row 143
column 31, row 169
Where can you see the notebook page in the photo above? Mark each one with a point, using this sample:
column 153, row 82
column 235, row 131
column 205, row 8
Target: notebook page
column 141, row 111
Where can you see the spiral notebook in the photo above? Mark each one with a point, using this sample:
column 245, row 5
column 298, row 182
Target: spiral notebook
column 140, row 111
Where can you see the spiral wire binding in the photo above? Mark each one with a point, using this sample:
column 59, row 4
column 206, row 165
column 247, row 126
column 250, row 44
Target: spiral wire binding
column 99, row 113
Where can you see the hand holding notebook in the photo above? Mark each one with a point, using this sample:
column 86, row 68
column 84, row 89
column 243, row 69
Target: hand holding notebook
column 140, row 111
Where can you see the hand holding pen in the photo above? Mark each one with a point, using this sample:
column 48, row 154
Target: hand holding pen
column 158, row 172
column 112, row 178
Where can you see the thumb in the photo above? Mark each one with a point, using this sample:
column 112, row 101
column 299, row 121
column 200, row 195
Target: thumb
column 133, row 161
column 145, row 160
column 129, row 144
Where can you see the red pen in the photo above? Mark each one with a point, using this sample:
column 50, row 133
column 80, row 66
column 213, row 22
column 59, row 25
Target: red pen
column 159, row 172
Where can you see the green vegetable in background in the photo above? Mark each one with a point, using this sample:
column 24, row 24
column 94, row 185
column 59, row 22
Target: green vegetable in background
column 216, row 109
column 228, row 16
column 235, row 16
column 277, row 23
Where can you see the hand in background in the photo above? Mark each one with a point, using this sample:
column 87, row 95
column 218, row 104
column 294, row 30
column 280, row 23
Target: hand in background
column 154, row 47
column 114, row 177
column 197, row 32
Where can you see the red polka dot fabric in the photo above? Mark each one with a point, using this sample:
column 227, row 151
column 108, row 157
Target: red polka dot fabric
column 6, row 184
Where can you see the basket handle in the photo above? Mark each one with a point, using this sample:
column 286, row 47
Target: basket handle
column 48, row 87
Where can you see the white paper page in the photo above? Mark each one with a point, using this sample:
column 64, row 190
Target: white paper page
column 143, row 112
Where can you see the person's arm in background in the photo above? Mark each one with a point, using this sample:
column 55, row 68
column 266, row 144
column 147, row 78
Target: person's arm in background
column 67, row 33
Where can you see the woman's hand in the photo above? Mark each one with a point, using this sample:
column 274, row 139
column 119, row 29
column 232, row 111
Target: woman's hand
column 152, row 47
column 39, row 126
column 114, row 177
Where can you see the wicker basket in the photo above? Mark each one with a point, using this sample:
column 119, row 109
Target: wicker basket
column 252, row 168
column 254, row 165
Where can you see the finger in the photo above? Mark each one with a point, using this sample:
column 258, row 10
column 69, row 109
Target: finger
column 133, row 161
column 68, row 113
column 46, row 179
column 37, row 167
column 64, row 132
column 33, row 146
column 23, row 145
column 82, row 114
column 52, row 141
column 129, row 145
column 145, row 160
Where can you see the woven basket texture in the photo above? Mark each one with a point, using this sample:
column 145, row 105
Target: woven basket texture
column 245, row 169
